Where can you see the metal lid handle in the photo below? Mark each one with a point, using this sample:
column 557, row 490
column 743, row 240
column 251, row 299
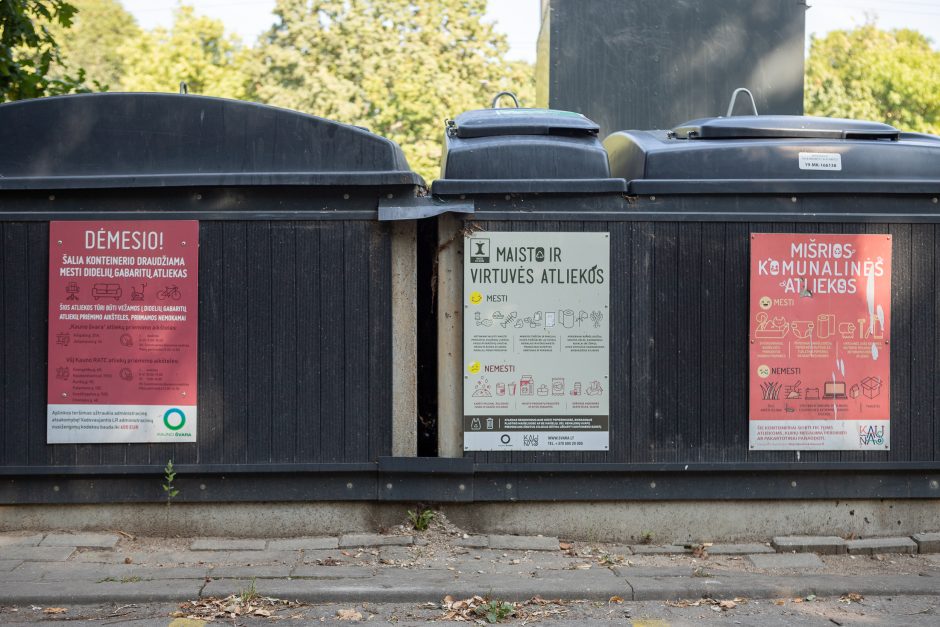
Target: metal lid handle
column 734, row 97
column 500, row 95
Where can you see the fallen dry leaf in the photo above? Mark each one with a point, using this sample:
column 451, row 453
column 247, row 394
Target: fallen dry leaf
column 727, row 605
column 352, row 615
column 564, row 546
column 54, row 610
column 260, row 612
column 851, row 597
column 615, row 599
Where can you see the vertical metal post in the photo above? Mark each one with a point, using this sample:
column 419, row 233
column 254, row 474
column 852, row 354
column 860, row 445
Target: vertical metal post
column 449, row 337
column 404, row 340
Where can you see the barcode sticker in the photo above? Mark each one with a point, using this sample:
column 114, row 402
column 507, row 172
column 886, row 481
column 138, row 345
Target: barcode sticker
column 820, row 161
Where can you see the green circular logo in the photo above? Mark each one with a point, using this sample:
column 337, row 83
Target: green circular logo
column 174, row 412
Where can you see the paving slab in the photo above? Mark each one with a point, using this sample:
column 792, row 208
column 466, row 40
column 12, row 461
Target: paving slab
column 759, row 586
column 479, row 567
column 795, row 561
column 136, row 557
column 303, row 544
column 373, row 539
column 372, row 589
column 927, row 542
column 528, row 559
column 23, row 572
column 598, row 586
column 332, row 572
column 396, row 554
column 82, row 540
column 651, row 571
column 524, row 543
column 666, row 549
column 36, row 553
column 80, row 592
column 674, row 588
column 120, row 573
column 823, row 545
column 876, row 546
column 8, row 565
column 173, row 558
column 738, row 549
column 473, row 542
column 242, row 558
column 431, row 586
column 20, row 540
column 248, row 572
column 836, row 585
column 312, row 557
column 227, row 544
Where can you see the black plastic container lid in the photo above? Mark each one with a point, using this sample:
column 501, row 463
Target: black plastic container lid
column 497, row 151
column 776, row 154
column 116, row 140
column 490, row 122
column 783, row 126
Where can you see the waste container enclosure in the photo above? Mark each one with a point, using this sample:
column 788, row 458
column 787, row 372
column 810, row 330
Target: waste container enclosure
column 806, row 247
column 772, row 306
column 201, row 280
column 524, row 315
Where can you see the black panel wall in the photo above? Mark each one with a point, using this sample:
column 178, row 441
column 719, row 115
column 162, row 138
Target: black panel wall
column 294, row 346
column 679, row 326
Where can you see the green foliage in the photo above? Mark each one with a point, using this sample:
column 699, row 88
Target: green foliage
column 93, row 41
column 196, row 50
column 169, row 474
column 397, row 67
column 495, row 611
column 420, row 519
column 868, row 73
column 28, row 49
column 249, row 594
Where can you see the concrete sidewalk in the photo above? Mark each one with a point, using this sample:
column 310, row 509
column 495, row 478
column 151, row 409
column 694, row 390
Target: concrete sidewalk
column 82, row 568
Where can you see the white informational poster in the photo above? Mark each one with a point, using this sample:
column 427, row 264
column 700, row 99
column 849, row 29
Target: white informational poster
column 536, row 341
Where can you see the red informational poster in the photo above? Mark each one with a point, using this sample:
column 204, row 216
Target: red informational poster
column 820, row 327
column 123, row 319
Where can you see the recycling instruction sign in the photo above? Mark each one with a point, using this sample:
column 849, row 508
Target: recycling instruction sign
column 536, row 341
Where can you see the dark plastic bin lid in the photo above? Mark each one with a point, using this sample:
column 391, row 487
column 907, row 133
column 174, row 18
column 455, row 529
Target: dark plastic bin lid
column 783, row 126
column 776, row 154
column 116, row 140
column 490, row 122
column 498, row 151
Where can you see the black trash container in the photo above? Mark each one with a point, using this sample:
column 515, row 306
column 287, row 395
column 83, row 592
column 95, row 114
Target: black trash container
column 524, row 327
column 284, row 378
column 693, row 367
column 793, row 278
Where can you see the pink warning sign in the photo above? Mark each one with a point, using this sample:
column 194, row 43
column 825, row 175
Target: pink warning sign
column 820, row 327
column 123, row 319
